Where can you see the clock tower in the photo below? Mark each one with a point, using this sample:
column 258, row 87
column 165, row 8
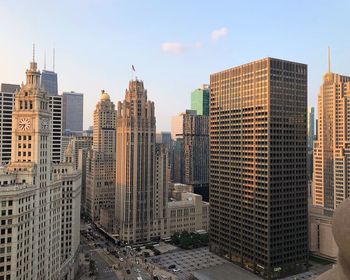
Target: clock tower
column 31, row 133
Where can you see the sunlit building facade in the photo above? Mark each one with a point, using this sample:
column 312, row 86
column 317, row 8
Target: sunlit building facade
column 258, row 179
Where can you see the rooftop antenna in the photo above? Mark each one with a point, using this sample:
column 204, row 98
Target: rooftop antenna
column 329, row 60
column 45, row 60
column 33, row 52
column 53, row 66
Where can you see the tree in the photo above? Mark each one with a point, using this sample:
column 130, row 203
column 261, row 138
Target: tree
column 185, row 240
column 175, row 238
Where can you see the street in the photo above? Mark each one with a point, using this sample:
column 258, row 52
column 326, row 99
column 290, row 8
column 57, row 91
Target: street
column 111, row 262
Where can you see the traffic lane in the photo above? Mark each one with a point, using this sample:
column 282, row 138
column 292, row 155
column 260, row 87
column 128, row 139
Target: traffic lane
column 104, row 270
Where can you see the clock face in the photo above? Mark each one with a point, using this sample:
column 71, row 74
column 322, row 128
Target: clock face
column 24, row 124
column 45, row 124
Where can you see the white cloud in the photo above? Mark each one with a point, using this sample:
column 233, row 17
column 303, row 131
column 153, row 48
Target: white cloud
column 219, row 33
column 173, row 47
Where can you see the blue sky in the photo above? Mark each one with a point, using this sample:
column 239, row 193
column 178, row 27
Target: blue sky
column 174, row 45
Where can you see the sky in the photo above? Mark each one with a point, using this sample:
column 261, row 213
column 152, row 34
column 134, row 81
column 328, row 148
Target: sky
column 173, row 45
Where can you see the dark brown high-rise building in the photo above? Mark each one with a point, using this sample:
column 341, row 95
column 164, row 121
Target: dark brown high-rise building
column 258, row 179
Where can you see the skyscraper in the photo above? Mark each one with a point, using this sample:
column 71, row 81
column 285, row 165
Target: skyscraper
column 331, row 163
column 55, row 105
column 200, row 100
column 196, row 151
column 73, row 109
column 7, row 102
column 331, row 150
column 177, row 125
column 310, row 143
column 49, row 82
column 258, row 182
column 136, row 140
column 100, row 173
column 192, row 129
column 310, row 127
column 39, row 201
column 7, row 96
column 163, row 137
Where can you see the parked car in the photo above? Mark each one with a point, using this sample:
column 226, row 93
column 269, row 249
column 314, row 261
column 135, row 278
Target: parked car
column 176, row 269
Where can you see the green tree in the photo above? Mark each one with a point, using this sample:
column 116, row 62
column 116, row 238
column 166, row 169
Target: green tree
column 175, row 238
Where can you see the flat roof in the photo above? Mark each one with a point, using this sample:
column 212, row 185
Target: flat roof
column 227, row 271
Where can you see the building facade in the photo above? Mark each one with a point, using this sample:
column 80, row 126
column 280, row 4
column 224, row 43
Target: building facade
column 196, row 153
column 310, row 141
column 7, row 102
column 49, row 82
column 200, row 100
column 31, row 195
column 163, row 137
column 55, row 105
column 136, row 141
column 192, row 166
column 331, row 164
column 189, row 213
column 101, row 160
column 258, row 180
column 73, row 109
column 331, row 150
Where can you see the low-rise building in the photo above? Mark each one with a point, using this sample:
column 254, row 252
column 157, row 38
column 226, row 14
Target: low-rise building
column 190, row 214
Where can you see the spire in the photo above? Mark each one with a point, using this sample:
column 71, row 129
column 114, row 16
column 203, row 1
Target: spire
column 33, row 64
column 53, row 60
column 45, row 60
column 329, row 60
column 33, row 60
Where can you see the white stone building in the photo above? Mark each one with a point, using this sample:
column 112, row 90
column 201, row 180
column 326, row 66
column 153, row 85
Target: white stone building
column 33, row 196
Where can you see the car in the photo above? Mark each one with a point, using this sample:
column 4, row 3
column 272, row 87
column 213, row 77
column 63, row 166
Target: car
column 171, row 266
column 128, row 271
column 121, row 259
column 176, row 269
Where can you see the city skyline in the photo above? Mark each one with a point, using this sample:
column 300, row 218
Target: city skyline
column 180, row 57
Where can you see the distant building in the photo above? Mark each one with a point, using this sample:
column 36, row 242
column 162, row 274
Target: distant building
column 73, row 109
column 177, row 161
column 191, row 154
column 7, row 101
column 88, row 132
column 163, row 137
column 331, row 163
column 258, row 176
column 310, row 127
column 177, row 126
column 101, row 160
column 189, row 213
column 77, row 148
column 82, row 160
column 55, row 106
column 10, row 88
column 200, row 100
column 310, row 140
column 49, row 82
